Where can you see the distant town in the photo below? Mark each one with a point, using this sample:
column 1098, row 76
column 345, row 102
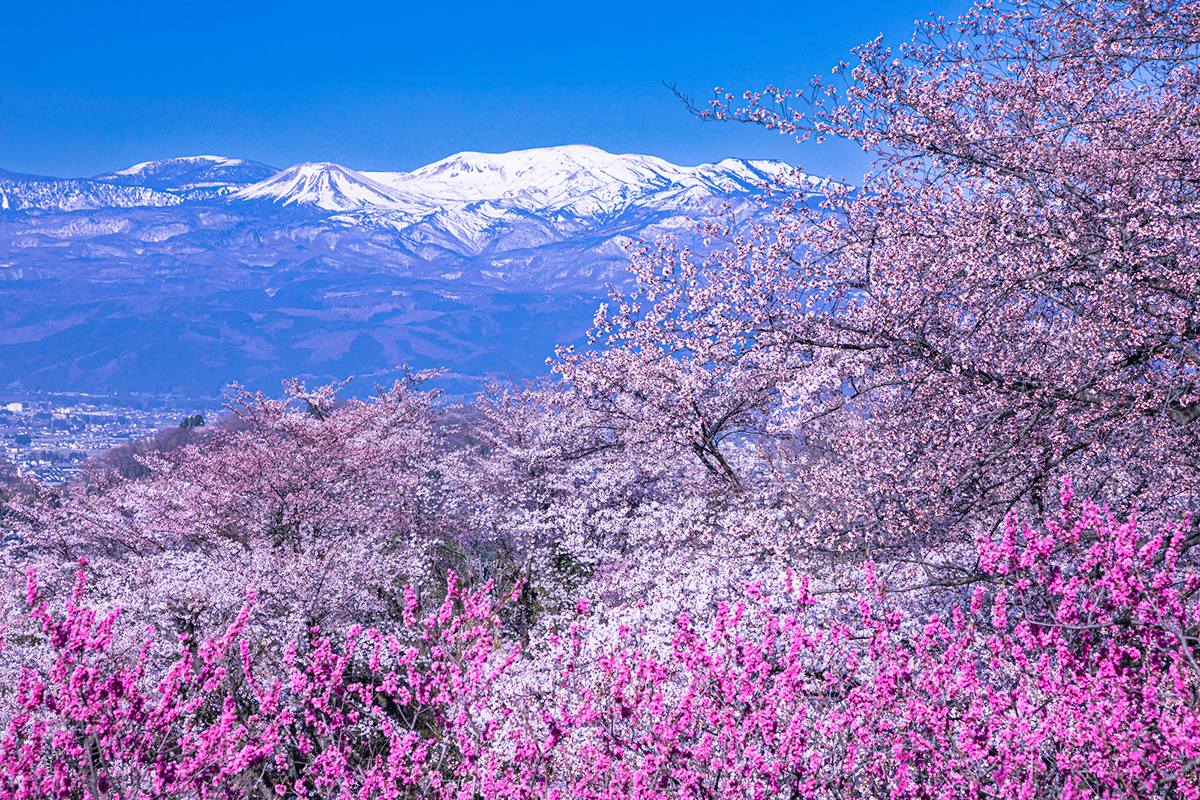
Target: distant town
column 50, row 437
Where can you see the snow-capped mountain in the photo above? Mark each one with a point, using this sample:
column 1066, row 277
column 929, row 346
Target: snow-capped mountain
column 575, row 181
column 328, row 186
column 569, row 184
column 185, row 273
column 192, row 177
column 580, row 179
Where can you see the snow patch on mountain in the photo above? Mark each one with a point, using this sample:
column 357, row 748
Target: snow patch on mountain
column 577, row 179
column 192, row 177
column 328, row 186
column 37, row 193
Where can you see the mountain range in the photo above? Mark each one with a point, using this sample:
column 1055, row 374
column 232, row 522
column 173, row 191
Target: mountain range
column 180, row 275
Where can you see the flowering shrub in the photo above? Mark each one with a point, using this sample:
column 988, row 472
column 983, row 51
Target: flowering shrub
column 357, row 715
column 1068, row 670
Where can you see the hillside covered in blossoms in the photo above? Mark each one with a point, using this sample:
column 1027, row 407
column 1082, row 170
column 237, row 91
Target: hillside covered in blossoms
column 888, row 491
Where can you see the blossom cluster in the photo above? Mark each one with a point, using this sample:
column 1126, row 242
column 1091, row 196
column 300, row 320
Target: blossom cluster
column 1070, row 672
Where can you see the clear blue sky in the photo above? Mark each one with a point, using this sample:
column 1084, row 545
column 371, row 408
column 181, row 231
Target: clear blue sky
column 87, row 87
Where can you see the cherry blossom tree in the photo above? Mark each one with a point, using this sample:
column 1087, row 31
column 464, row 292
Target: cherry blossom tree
column 322, row 508
column 1010, row 295
column 542, row 497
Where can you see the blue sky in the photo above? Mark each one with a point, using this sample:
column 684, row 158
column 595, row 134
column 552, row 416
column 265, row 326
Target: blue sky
column 87, row 87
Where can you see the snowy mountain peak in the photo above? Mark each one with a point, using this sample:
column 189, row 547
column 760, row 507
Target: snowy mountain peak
column 575, row 179
column 324, row 185
column 163, row 164
column 537, row 165
column 191, row 177
column 573, row 157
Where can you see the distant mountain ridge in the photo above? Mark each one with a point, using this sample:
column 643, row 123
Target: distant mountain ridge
column 191, row 177
column 36, row 192
column 579, row 179
column 181, row 274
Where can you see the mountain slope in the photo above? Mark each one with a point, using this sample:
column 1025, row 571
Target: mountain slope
column 328, row 186
column 180, row 275
column 580, row 177
column 20, row 192
column 192, row 177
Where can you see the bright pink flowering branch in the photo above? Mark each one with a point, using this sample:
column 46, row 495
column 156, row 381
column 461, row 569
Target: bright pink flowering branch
column 1071, row 672
column 364, row 715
